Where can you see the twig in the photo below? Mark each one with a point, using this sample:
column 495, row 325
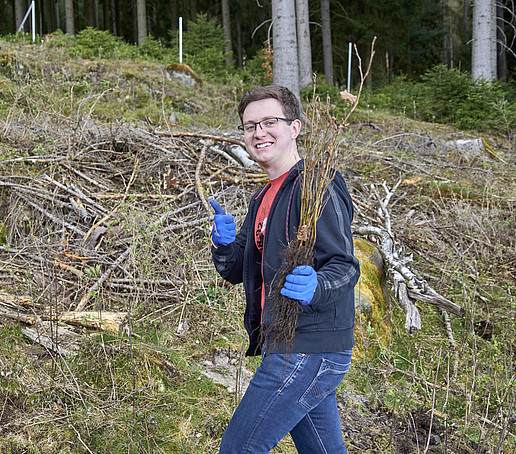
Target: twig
column 363, row 77
column 114, row 210
column 85, row 299
column 201, row 136
column 198, row 170
column 53, row 218
column 80, row 439
column 433, row 404
column 77, row 193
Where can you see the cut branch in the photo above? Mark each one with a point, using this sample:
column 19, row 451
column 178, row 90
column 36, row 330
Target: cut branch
column 408, row 285
column 198, row 170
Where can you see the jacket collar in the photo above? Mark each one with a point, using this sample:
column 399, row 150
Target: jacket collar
column 293, row 173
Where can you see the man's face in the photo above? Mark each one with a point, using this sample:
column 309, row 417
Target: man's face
column 273, row 148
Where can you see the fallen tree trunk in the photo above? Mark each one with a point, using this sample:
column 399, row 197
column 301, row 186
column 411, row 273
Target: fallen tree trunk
column 103, row 320
column 417, row 287
column 408, row 286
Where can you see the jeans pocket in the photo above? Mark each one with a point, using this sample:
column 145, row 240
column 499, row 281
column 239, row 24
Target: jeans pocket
column 328, row 377
column 291, row 366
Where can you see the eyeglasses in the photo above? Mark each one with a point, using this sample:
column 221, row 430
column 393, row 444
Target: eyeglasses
column 267, row 123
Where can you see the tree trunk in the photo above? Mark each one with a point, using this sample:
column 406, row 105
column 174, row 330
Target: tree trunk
column 4, row 28
column 304, row 48
column 444, row 25
column 284, row 39
column 239, row 52
column 115, row 29
column 501, row 39
column 326, row 40
column 20, row 8
column 141, row 19
column 91, row 13
column 50, row 17
column 226, row 23
column 56, row 11
column 453, row 25
column 193, row 10
column 483, row 59
column 174, row 16
column 76, row 18
column 69, row 17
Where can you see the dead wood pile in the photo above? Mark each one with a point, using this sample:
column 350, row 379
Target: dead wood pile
column 113, row 209
column 122, row 210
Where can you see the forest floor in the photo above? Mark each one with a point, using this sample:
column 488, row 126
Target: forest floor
column 117, row 335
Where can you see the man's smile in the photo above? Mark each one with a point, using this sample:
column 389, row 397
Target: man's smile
column 263, row 145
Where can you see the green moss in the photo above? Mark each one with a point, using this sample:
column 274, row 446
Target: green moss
column 3, row 233
column 371, row 285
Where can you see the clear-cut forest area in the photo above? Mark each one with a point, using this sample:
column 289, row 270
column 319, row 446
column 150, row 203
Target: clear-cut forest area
column 117, row 335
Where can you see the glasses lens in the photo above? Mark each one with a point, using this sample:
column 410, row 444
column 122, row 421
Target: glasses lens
column 270, row 122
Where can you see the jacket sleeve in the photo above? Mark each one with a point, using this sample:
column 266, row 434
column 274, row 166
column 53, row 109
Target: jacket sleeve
column 337, row 268
column 229, row 260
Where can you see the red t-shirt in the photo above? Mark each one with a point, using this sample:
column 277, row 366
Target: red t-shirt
column 260, row 224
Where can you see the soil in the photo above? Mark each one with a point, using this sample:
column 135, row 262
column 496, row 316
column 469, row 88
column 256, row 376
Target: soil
column 371, row 428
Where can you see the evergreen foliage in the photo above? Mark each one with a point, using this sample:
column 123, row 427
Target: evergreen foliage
column 255, row 70
column 153, row 49
column 204, row 45
column 93, row 44
column 448, row 95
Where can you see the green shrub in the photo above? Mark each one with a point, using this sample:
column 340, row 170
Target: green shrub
column 447, row 95
column 338, row 108
column 452, row 96
column 322, row 89
column 398, row 96
column 93, row 44
column 254, row 71
column 59, row 39
column 153, row 49
column 22, row 38
column 204, row 46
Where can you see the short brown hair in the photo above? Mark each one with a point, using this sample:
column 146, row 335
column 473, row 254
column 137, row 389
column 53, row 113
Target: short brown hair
column 286, row 98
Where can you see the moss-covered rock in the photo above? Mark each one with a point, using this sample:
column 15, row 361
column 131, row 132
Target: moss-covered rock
column 183, row 73
column 371, row 294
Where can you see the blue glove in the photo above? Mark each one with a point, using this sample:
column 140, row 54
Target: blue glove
column 224, row 226
column 300, row 284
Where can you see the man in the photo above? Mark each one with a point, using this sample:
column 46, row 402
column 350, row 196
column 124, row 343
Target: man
column 293, row 390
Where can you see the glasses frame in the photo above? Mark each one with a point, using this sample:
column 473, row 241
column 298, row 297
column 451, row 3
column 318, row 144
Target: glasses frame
column 259, row 123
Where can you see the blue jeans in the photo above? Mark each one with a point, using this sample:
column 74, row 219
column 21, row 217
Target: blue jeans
column 293, row 394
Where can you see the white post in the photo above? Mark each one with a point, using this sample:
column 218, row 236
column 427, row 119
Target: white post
column 180, row 39
column 349, row 69
column 33, row 6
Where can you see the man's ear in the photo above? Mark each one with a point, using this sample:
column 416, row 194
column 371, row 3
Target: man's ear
column 296, row 128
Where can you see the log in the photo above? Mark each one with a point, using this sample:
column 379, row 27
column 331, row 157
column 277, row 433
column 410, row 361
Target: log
column 407, row 284
column 106, row 321
column 417, row 287
column 429, row 295
column 41, row 336
column 412, row 317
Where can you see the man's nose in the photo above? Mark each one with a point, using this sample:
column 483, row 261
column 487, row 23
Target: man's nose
column 259, row 130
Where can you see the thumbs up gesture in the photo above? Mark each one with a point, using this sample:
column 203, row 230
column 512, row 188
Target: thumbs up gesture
column 224, row 226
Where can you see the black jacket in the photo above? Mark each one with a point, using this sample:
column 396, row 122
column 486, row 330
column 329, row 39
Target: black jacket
column 326, row 324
